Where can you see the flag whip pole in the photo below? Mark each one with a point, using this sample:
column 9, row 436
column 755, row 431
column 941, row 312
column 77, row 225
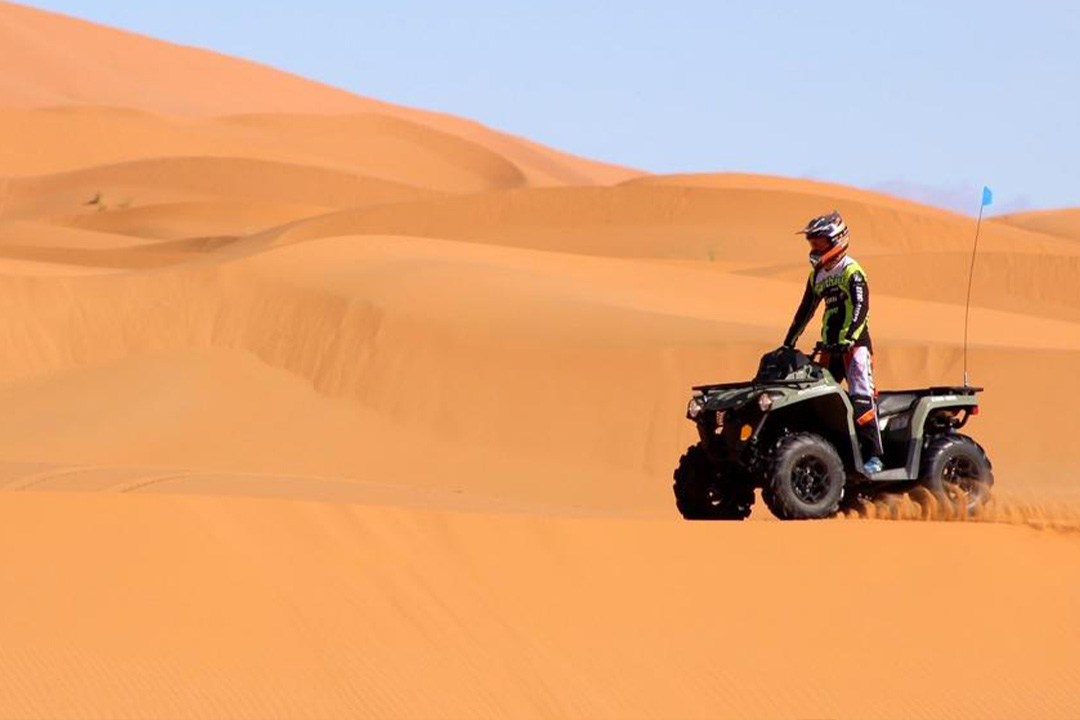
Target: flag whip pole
column 987, row 198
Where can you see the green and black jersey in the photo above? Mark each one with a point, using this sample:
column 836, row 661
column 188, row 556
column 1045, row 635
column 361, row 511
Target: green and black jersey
column 846, row 293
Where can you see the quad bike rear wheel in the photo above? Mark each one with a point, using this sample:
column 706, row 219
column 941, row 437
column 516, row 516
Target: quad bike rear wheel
column 701, row 493
column 805, row 478
column 956, row 471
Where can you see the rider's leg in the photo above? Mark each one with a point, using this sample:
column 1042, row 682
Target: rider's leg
column 836, row 364
column 860, row 378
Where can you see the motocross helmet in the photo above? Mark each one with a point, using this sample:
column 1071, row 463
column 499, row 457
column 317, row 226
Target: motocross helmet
column 828, row 238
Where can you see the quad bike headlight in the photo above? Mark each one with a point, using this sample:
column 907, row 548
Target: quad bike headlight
column 697, row 404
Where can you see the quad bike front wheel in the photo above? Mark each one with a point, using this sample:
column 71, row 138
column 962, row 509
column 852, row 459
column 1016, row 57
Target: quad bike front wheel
column 956, row 471
column 701, row 494
column 805, row 479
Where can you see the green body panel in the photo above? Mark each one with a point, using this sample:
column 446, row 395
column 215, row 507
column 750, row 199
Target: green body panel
column 785, row 396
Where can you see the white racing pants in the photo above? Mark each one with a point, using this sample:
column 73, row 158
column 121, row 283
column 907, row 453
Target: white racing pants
column 856, row 367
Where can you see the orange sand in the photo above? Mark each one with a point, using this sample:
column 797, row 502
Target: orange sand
column 315, row 406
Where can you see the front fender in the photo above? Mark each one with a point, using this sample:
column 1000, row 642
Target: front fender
column 730, row 399
column 825, row 411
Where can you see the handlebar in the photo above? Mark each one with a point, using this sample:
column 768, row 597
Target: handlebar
column 821, row 347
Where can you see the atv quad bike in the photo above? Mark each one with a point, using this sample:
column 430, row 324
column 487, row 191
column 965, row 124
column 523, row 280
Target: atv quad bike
column 790, row 431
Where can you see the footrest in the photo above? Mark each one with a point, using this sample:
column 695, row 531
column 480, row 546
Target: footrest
column 893, row 475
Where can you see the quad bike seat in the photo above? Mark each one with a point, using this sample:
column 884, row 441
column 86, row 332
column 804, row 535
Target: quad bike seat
column 895, row 403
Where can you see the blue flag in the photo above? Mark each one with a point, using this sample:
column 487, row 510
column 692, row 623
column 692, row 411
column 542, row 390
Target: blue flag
column 988, row 197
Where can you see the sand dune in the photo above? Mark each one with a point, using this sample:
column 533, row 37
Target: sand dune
column 332, row 610
column 191, row 220
column 80, row 63
column 319, row 406
column 371, row 144
column 547, row 383
column 751, row 227
column 829, row 192
column 389, row 147
column 402, row 328
column 1063, row 223
column 179, row 179
column 1041, row 284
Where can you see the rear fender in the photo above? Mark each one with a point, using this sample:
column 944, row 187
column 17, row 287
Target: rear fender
column 923, row 409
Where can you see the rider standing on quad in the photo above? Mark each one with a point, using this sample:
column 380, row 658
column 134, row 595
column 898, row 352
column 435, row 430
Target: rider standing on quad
column 841, row 283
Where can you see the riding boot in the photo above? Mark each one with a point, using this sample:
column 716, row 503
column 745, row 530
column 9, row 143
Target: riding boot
column 866, row 425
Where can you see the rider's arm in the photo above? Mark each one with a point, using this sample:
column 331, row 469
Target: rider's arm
column 860, row 307
column 803, row 315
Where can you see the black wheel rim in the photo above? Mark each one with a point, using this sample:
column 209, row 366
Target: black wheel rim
column 961, row 475
column 810, row 480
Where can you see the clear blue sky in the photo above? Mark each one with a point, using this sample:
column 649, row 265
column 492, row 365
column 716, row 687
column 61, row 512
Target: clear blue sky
column 929, row 99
